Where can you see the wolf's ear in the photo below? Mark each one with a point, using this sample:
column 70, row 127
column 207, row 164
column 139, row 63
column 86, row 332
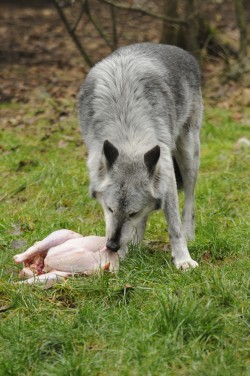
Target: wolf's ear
column 151, row 158
column 110, row 152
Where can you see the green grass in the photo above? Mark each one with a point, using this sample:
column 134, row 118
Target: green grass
column 167, row 322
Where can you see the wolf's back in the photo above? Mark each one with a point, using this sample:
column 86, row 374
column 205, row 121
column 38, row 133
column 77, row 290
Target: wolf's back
column 134, row 88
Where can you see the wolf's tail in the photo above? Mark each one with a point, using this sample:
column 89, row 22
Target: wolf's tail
column 178, row 177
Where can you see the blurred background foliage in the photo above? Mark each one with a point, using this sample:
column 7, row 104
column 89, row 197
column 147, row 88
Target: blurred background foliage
column 47, row 47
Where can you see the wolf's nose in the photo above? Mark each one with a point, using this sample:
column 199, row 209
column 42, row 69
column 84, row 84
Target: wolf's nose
column 113, row 246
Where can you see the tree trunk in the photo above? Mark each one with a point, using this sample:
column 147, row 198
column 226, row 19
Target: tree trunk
column 169, row 31
column 184, row 36
column 191, row 34
column 242, row 25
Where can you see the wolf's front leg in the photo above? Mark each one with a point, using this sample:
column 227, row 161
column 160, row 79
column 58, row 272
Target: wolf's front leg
column 139, row 231
column 137, row 237
column 180, row 253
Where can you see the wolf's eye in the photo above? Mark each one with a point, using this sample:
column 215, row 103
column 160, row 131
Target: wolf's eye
column 111, row 211
column 131, row 215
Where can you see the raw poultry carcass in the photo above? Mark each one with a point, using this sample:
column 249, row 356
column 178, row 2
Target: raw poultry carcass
column 64, row 253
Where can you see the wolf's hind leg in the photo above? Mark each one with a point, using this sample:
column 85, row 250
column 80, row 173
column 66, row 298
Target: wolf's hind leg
column 180, row 253
column 187, row 156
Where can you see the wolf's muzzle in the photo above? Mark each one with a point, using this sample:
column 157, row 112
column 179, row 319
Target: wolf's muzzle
column 113, row 246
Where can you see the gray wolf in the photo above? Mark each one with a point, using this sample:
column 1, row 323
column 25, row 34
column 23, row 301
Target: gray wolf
column 140, row 112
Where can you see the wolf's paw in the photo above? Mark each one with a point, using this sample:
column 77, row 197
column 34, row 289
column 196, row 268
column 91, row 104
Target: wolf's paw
column 186, row 264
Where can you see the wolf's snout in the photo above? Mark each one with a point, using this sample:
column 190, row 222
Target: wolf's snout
column 113, row 246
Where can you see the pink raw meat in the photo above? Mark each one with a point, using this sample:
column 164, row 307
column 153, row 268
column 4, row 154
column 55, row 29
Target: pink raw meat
column 64, row 253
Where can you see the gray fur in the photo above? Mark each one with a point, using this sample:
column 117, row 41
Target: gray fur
column 138, row 109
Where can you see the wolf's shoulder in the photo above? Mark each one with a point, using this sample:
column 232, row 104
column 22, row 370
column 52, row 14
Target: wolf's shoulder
column 172, row 58
column 155, row 49
column 146, row 58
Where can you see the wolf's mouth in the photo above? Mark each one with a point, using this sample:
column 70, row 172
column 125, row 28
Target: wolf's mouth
column 113, row 246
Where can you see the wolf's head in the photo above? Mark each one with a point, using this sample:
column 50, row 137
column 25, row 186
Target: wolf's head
column 127, row 191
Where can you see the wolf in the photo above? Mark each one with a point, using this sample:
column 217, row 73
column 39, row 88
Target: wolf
column 140, row 113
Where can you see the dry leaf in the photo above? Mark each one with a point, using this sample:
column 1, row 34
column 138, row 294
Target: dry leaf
column 128, row 286
column 16, row 229
column 242, row 142
column 206, row 256
column 17, row 244
column 62, row 144
column 4, row 308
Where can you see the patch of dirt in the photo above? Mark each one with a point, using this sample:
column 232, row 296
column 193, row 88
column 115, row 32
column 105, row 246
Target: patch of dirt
column 39, row 59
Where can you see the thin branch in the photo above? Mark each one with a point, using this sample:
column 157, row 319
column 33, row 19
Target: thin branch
column 72, row 34
column 97, row 26
column 82, row 10
column 114, row 29
column 146, row 12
